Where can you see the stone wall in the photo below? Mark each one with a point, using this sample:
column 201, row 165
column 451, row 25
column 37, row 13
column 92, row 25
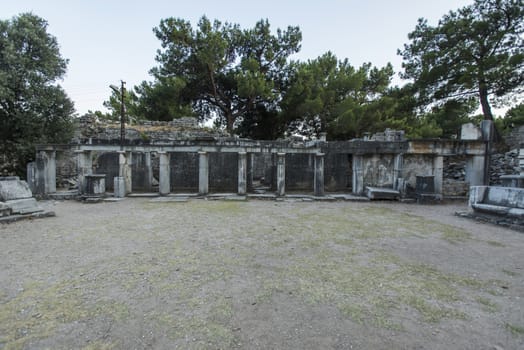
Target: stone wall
column 416, row 165
column 515, row 138
column 90, row 128
column 503, row 164
column 378, row 170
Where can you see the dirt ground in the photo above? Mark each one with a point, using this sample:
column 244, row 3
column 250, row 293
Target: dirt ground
column 139, row 274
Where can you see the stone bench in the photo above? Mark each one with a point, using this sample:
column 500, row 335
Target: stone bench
column 498, row 201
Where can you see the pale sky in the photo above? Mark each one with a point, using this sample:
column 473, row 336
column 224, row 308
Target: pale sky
column 111, row 40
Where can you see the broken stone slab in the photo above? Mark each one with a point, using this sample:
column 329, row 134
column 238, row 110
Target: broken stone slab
column 24, row 206
column 18, row 217
column 11, row 187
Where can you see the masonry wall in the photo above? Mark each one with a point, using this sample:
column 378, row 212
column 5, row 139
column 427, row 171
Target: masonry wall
column 378, row 170
column 416, row 165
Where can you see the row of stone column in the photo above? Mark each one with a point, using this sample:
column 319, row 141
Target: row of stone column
column 85, row 165
column 45, row 177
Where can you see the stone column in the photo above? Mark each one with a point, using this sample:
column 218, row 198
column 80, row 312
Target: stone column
column 281, row 174
column 203, row 173
column 358, row 174
column 521, row 161
column 398, row 165
column 124, row 170
column 164, row 175
column 45, row 172
column 475, row 170
column 84, row 167
column 242, row 173
column 250, row 170
column 318, row 182
column 438, row 173
column 51, row 172
column 149, row 171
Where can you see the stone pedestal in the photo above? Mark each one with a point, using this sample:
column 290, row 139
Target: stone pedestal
column 203, row 173
column 318, row 182
column 119, row 187
column 281, row 174
column 95, row 185
column 164, row 187
column 242, row 173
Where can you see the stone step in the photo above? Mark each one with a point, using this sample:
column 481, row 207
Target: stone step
column 24, row 206
column 63, row 195
column 382, row 193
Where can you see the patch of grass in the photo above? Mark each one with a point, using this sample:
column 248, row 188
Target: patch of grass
column 454, row 235
column 487, row 304
column 510, row 273
column 515, row 330
column 97, row 345
column 38, row 310
column 495, row 244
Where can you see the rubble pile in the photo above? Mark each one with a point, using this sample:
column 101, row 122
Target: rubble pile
column 503, row 164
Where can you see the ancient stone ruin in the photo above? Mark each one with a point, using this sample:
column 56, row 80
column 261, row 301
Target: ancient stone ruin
column 17, row 202
column 178, row 158
column 165, row 158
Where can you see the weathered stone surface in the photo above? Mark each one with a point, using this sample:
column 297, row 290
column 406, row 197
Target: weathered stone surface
column 498, row 201
column 13, row 188
column 470, row 132
column 23, row 206
column 382, row 193
column 5, row 210
column 119, row 187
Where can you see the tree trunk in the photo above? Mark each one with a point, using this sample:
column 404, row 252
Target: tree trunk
column 484, row 102
column 229, row 123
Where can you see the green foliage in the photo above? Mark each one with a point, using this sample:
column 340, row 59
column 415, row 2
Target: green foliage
column 476, row 51
column 222, row 70
column 450, row 116
column 33, row 109
column 513, row 118
column 326, row 94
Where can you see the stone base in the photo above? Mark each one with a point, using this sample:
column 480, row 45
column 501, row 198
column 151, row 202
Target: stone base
column 63, row 195
column 38, row 215
column 382, row 193
column 23, row 206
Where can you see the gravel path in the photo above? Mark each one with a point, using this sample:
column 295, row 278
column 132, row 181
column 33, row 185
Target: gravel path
column 137, row 274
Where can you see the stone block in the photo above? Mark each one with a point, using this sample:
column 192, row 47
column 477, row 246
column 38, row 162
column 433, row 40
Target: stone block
column 13, row 188
column 119, row 187
column 470, row 132
column 381, row 193
column 23, row 206
column 477, row 194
